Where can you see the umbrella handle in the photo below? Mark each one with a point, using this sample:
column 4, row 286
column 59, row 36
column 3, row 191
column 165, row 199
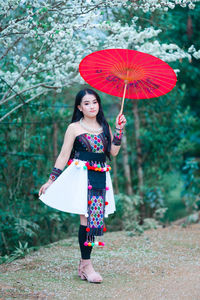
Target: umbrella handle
column 122, row 104
column 121, row 110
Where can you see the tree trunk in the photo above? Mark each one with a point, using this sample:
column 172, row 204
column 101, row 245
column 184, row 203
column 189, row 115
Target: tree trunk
column 116, row 185
column 5, row 244
column 55, row 141
column 189, row 27
column 139, row 158
column 127, row 172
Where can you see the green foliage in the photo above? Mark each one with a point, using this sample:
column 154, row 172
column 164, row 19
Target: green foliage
column 19, row 252
column 153, row 197
column 191, row 191
column 170, row 142
column 172, row 187
column 193, row 218
column 160, row 213
column 26, row 160
column 126, row 214
column 150, row 223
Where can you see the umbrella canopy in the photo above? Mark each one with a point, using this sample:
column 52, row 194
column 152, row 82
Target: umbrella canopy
column 127, row 73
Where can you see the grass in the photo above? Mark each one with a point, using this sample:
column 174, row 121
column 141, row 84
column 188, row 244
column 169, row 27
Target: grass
column 149, row 266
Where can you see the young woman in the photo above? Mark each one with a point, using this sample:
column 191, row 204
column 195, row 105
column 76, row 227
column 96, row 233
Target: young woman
column 85, row 186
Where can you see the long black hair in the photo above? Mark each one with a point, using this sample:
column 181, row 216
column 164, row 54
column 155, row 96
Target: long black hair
column 77, row 115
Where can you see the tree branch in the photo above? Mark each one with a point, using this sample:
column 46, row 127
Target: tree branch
column 6, row 52
column 24, row 70
column 28, row 89
column 20, row 105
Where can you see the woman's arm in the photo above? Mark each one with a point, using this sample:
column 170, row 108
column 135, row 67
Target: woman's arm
column 66, row 149
column 63, row 157
column 115, row 148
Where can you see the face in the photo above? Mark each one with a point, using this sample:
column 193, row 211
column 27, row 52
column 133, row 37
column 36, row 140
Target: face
column 89, row 106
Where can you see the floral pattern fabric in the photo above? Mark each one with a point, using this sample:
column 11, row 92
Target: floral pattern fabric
column 96, row 211
column 95, row 142
column 92, row 142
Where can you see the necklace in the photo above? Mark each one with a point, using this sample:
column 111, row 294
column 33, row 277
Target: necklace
column 88, row 128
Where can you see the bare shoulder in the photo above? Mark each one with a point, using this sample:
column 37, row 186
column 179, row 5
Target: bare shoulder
column 71, row 129
column 74, row 124
column 68, row 140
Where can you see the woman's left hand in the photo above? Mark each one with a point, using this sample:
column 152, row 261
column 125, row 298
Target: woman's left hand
column 120, row 121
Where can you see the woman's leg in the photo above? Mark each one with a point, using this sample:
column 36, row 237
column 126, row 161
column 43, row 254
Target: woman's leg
column 83, row 220
column 86, row 270
column 85, row 250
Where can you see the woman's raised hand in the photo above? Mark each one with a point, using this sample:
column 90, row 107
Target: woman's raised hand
column 44, row 187
column 120, row 121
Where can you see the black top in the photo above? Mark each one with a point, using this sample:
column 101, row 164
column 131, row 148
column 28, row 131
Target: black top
column 90, row 147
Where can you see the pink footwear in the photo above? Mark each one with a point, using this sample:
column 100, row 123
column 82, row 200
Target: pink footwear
column 79, row 272
column 87, row 272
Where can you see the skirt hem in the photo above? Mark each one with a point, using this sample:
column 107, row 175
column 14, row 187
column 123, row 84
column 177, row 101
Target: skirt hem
column 73, row 212
column 69, row 192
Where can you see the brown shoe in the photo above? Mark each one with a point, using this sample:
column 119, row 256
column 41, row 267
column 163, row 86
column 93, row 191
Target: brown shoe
column 87, row 272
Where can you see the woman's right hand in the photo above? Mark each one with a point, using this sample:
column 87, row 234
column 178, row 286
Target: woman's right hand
column 44, row 187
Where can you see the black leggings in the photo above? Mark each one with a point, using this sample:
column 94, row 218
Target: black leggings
column 85, row 250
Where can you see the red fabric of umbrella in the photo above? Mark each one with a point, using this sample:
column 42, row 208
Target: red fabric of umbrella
column 127, row 73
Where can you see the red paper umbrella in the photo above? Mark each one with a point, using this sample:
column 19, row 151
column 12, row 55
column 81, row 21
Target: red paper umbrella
column 127, row 73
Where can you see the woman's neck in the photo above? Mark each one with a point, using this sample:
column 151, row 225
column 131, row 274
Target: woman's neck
column 90, row 121
column 90, row 124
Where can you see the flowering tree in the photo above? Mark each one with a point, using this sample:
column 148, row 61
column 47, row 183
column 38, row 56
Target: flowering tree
column 43, row 42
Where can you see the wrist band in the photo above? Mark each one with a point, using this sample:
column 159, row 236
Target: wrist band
column 117, row 138
column 55, row 173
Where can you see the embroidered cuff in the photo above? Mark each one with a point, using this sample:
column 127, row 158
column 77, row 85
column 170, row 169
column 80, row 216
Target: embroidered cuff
column 55, row 173
column 117, row 138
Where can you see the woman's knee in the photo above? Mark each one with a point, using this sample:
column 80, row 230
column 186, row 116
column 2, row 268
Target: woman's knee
column 83, row 220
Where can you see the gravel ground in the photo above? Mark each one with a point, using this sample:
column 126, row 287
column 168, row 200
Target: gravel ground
column 162, row 264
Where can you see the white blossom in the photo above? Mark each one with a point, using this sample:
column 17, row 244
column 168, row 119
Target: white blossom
column 46, row 44
column 195, row 53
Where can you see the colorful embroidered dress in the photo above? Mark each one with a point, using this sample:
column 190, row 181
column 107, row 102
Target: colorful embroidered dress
column 90, row 142
column 91, row 147
column 85, row 186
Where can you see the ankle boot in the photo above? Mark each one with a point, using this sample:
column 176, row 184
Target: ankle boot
column 87, row 272
column 79, row 271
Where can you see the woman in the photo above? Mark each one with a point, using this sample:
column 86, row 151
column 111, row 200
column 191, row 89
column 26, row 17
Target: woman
column 85, row 187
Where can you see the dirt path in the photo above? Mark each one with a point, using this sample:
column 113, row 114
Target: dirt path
column 162, row 264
